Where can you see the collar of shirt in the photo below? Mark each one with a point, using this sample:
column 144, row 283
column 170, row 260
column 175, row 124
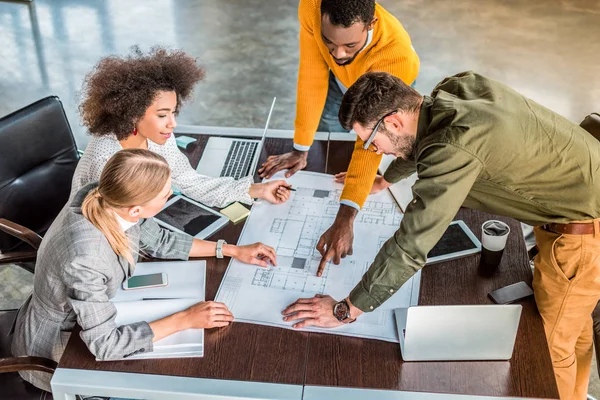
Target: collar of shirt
column 124, row 224
column 424, row 117
column 369, row 40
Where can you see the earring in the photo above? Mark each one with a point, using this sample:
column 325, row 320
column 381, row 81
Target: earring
column 134, row 131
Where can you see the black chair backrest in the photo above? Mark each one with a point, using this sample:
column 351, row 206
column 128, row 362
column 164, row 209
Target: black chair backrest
column 38, row 157
column 591, row 123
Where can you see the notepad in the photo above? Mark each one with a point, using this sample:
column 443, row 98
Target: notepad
column 235, row 212
column 186, row 287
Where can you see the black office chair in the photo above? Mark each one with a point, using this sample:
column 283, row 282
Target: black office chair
column 38, row 157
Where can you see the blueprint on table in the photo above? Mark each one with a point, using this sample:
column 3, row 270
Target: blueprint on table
column 258, row 295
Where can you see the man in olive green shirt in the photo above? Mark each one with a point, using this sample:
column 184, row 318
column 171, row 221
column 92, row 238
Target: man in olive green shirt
column 477, row 143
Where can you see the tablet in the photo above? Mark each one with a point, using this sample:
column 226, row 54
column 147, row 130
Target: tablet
column 458, row 241
column 181, row 214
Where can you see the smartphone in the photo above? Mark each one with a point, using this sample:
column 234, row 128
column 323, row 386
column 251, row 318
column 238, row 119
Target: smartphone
column 511, row 293
column 145, row 281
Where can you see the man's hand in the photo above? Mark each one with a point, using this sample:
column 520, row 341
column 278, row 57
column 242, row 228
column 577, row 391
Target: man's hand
column 379, row 184
column 294, row 162
column 336, row 242
column 316, row 311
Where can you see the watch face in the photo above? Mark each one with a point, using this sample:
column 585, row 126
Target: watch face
column 341, row 310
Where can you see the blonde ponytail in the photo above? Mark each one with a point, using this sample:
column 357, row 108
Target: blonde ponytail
column 104, row 219
column 132, row 177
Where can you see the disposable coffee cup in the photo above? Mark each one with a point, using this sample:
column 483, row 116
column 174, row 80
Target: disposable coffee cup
column 494, row 234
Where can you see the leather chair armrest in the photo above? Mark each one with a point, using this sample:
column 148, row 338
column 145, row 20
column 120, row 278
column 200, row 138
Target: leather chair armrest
column 14, row 364
column 21, row 232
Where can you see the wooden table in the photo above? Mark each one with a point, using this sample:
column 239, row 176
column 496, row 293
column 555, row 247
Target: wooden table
column 255, row 361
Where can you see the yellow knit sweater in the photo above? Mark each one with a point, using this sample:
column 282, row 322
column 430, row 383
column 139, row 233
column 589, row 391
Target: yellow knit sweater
column 390, row 50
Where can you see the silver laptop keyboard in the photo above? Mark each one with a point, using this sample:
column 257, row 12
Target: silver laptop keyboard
column 239, row 159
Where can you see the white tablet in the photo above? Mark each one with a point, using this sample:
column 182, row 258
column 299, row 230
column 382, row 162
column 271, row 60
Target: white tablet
column 458, row 241
column 184, row 215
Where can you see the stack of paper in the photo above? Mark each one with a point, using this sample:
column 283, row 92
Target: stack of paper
column 185, row 287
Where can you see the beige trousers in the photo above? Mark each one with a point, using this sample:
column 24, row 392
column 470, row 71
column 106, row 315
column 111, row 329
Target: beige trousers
column 566, row 284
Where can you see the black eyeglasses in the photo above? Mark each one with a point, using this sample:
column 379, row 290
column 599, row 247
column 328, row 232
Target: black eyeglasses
column 372, row 136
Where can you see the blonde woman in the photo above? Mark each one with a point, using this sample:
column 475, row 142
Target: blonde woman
column 132, row 103
column 92, row 247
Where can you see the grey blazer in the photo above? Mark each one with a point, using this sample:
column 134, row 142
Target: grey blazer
column 76, row 274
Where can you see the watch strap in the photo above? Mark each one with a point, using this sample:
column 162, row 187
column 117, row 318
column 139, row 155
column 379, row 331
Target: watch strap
column 219, row 249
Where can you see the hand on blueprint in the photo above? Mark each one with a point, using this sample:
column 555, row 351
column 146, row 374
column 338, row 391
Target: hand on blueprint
column 378, row 185
column 293, row 161
column 208, row 314
column 315, row 311
column 257, row 254
column 335, row 243
column 275, row 192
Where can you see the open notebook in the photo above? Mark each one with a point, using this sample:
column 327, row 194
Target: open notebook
column 186, row 286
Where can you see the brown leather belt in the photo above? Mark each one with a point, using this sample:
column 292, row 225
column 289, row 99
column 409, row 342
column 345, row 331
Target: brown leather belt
column 571, row 229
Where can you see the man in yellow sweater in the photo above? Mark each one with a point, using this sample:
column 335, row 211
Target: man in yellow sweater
column 339, row 41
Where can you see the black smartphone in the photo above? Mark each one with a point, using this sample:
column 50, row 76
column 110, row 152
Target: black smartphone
column 511, row 293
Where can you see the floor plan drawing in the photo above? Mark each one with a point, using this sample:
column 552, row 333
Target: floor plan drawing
column 258, row 295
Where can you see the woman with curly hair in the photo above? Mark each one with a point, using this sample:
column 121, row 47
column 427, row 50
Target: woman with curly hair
column 131, row 103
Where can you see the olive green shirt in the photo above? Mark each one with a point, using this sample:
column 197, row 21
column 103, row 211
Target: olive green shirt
column 482, row 145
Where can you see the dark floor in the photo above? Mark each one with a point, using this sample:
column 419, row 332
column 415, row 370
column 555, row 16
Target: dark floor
column 548, row 50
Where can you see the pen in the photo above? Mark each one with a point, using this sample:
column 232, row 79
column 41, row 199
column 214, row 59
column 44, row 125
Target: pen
column 158, row 298
column 289, row 188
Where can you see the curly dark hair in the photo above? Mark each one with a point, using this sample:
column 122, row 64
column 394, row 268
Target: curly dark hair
column 347, row 12
column 119, row 90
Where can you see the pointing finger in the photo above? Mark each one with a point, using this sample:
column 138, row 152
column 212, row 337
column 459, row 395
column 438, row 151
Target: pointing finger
column 323, row 263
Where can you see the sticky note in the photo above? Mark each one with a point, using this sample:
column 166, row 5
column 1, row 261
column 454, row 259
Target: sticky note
column 235, row 212
column 184, row 141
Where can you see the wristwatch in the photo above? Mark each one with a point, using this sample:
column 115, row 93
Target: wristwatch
column 341, row 310
column 220, row 244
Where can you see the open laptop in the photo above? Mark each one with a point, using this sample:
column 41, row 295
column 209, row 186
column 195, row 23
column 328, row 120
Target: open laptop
column 446, row 333
column 231, row 157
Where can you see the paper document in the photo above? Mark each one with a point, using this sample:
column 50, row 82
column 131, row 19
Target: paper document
column 258, row 295
column 185, row 287
column 402, row 190
column 129, row 312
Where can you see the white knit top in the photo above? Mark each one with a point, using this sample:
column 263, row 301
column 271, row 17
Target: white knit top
column 214, row 192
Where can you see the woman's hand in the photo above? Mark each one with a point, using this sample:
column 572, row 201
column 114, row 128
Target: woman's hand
column 208, row 314
column 256, row 254
column 275, row 192
column 203, row 315
column 378, row 185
